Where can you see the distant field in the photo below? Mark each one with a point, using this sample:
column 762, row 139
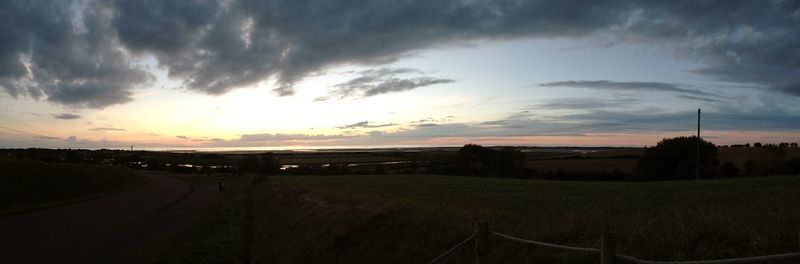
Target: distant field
column 635, row 152
column 28, row 184
column 583, row 165
column 625, row 159
column 412, row 218
column 334, row 158
column 761, row 155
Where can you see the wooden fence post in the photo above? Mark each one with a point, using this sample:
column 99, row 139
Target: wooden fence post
column 608, row 245
column 482, row 243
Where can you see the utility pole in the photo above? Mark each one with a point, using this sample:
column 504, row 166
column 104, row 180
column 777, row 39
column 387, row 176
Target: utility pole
column 697, row 172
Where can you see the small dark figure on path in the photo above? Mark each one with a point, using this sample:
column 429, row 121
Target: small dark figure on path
column 221, row 183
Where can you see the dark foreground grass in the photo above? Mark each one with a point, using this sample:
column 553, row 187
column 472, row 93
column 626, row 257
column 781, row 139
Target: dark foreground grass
column 222, row 233
column 413, row 218
column 26, row 184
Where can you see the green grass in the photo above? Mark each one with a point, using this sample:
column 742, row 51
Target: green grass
column 26, row 185
column 413, row 218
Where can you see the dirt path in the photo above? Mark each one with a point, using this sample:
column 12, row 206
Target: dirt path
column 114, row 229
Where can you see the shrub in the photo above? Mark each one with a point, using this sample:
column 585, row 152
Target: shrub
column 729, row 170
column 480, row 161
column 793, row 166
column 751, row 168
column 676, row 158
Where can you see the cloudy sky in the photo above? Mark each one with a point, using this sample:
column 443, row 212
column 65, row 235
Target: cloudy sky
column 286, row 74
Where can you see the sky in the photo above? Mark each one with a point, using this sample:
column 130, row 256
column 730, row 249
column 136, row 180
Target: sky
column 247, row 74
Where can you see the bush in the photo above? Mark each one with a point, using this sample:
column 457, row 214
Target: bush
column 793, row 166
column 751, row 168
column 480, row 161
column 266, row 163
column 676, row 158
column 729, row 170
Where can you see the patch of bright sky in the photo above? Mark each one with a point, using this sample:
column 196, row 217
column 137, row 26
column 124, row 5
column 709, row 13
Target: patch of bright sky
column 508, row 72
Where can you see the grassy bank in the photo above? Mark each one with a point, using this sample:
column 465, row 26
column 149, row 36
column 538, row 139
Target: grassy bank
column 26, row 184
column 222, row 233
column 412, row 218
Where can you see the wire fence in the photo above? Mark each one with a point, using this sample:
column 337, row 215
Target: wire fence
column 451, row 250
column 606, row 251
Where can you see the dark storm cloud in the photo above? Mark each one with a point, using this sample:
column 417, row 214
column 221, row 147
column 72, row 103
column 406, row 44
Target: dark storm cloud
column 83, row 58
column 627, row 86
column 48, row 51
column 365, row 124
column 380, row 81
column 66, row 116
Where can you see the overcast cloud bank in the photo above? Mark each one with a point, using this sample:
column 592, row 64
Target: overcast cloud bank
column 84, row 55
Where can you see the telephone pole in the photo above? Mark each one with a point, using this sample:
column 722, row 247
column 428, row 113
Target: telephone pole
column 697, row 172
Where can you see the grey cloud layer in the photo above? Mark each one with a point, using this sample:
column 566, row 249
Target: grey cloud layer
column 365, row 124
column 66, row 116
column 106, row 129
column 214, row 46
column 585, row 103
column 628, row 86
column 46, row 52
column 381, row 81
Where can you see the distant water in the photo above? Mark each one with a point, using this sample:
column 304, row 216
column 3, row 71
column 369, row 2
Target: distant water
column 360, row 148
column 292, row 148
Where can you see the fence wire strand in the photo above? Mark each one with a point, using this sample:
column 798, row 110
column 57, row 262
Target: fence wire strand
column 453, row 249
column 757, row 259
column 544, row 244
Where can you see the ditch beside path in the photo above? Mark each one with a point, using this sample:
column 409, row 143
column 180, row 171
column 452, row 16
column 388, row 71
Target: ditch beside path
column 114, row 229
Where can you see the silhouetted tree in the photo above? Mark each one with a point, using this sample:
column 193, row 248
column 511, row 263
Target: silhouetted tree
column 757, row 144
column 751, row 168
column 249, row 163
column 792, row 166
column 73, row 156
column 675, row 158
column 729, row 170
column 477, row 160
column 269, row 164
column 470, row 158
column 155, row 163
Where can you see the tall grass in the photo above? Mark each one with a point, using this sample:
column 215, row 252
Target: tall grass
column 412, row 218
column 26, row 184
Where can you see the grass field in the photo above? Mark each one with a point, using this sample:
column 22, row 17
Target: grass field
column 765, row 156
column 26, row 184
column 583, row 165
column 413, row 218
column 625, row 160
column 223, row 234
